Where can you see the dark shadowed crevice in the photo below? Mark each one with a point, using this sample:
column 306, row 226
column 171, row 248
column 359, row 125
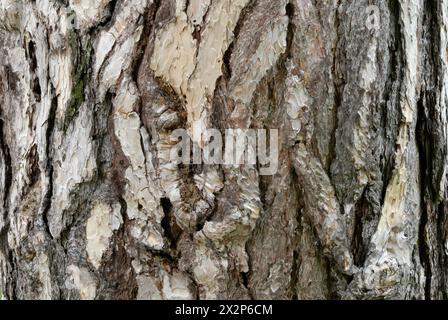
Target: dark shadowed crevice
column 295, row 274
column 296, row 258
column 432, row 154
column 149, row 18
column 50, row 127
column 296, row 262
column 32, row 56
column 171, row 230
column 4, row 147
column 33, row 165
column 246, row 276
column 242, row 18
column 358, row 249
column 166, row 205
column 7, row 163
column 10, row 266
column 332, row 291
column 111, row 7
column 117, row 273
column 290, row 11
column 119, row 162
column 423, row 247
column 35, row 85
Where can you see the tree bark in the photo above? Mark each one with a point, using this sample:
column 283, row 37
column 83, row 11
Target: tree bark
column 92, row 207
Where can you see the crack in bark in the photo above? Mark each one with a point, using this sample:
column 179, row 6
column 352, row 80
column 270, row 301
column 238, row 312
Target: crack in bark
column 431, row 155
column 395, row 76
column 112, row 6
column 338, row 87
column 48, row 196
column 8, row 167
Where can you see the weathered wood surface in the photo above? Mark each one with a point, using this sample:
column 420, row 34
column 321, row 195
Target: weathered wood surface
column 91, row 206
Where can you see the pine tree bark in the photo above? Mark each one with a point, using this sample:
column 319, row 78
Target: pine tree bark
column 91, row 207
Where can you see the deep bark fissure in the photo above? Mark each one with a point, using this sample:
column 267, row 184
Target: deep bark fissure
column 391, row 101
column 338, row 87
column 441, row 238
column 50, row 170
column 241, row 19
column 7, row 162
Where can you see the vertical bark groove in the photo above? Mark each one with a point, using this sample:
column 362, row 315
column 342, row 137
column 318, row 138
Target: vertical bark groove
column 94, row 208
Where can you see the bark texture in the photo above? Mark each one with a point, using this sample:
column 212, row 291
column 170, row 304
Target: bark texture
column 91, row 207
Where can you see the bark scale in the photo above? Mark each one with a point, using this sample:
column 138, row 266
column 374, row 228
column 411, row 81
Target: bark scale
column 92, row 207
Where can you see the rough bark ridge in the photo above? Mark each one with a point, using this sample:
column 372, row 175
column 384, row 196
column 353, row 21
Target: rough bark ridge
column 92, row 207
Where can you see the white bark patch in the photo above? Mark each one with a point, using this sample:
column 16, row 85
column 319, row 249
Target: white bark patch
column 16, row 59
column 44, row 276
column 208, row 272
column 104, row 220
column 193, row 72
column 296, row 98
column 76, row 164
column 164, row 286
column 209, row 183
column 120, row 60
column 10, row 18
column 141, row 192
column 105, row 44
column 176, row 287
column 361, row 136
column 147, row 288
column 323, row 208
column 174, row 53
column 395, row 213
column 272, row 45
column 444, row 97
column 82, row 280
column 122, row 37
column 216, row 38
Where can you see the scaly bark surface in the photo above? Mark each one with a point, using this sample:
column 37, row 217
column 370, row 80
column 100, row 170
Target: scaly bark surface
column 92, row 207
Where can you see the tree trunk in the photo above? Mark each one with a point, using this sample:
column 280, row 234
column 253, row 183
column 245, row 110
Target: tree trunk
column 92, row 205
